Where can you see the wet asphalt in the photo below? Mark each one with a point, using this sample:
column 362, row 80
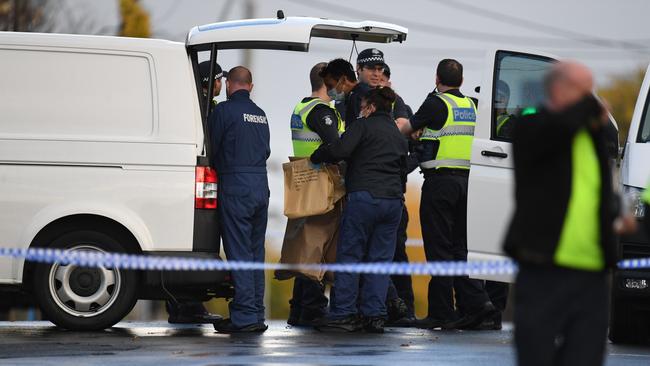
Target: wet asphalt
column 159, row 343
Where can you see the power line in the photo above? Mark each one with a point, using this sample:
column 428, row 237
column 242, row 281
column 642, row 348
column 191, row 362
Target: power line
column 459, row 33
column 530, row 24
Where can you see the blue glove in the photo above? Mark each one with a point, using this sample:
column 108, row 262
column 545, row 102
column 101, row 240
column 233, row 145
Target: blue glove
column 315, row 166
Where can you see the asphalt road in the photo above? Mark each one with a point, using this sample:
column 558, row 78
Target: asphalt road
column 158, row 343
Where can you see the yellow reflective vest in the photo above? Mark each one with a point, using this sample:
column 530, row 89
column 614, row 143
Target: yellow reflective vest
column 455, row 136
column 305, row 141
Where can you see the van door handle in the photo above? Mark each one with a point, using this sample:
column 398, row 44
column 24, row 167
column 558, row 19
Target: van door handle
column 494, row 154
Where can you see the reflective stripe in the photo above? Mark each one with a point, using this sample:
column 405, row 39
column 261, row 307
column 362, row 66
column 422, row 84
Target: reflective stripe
column 447, row 99
column 448, row 131
column 307, row 108
column 303, row 135
column 447, row 163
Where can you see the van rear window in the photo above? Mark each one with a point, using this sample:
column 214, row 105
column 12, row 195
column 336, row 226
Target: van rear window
column 75, row 94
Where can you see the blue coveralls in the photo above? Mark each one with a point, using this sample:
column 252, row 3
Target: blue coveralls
column 240, row 147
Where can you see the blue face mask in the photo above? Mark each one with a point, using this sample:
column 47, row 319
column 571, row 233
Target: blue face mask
column 335, row 95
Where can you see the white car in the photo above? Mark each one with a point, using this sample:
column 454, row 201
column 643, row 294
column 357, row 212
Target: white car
column 102, row 148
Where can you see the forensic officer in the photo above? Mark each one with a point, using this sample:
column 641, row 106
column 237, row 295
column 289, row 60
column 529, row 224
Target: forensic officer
column 313, row 122
column 239, row 133
column 448, row 118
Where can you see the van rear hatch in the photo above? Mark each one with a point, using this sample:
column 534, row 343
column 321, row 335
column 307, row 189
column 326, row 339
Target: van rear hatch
column 289, row 34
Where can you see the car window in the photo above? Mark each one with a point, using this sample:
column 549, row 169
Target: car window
column 518, row 86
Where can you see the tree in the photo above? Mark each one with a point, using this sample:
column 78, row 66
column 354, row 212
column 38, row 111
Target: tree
column 23, row 16
column 621, row 94
column 135, row 20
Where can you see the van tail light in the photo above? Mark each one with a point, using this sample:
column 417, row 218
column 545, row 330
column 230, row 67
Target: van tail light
column 206, row 188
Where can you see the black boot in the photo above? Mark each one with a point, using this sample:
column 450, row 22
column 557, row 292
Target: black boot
column 226, row 326
column 374, row 324
column 350, row 323
column 398, row 314
column 474, row 319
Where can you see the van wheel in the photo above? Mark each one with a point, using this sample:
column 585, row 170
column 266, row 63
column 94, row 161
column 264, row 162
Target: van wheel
column 80, row 298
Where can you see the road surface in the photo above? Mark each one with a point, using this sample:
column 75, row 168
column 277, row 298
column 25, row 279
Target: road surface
column 160, row 344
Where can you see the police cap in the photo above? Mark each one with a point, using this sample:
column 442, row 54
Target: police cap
column 204, row 71
column 371, row 57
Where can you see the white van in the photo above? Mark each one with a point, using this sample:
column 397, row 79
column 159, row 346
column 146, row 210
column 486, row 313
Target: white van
column 102, row 148
column 630, row 320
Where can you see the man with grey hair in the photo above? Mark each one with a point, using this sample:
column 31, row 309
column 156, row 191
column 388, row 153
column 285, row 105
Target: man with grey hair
column 562, row 233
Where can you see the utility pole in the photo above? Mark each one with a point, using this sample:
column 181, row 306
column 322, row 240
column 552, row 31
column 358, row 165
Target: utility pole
column 249, row 13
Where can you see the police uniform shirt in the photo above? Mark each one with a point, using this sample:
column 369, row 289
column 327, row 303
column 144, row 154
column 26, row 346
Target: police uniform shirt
column 323, row 121
column 400, row 109
column 433, row 114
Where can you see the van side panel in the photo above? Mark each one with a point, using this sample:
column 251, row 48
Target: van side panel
column 107, row 127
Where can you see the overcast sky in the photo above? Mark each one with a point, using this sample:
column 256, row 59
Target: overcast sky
column 610, row 36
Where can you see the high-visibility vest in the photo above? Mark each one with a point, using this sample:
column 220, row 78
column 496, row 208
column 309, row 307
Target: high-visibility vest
column 455, row 136
column 646, row 197
column 501, row 121
column 305, row 141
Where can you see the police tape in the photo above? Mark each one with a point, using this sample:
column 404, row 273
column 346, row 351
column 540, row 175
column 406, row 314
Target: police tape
column 92, row 258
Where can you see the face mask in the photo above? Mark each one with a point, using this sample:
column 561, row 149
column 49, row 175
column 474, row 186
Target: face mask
column 335, row 95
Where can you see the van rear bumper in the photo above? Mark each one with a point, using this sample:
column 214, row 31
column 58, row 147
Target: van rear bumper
column 185, row 285
column 206, row 231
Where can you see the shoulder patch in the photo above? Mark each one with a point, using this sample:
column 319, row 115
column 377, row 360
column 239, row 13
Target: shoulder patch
column 327, row 119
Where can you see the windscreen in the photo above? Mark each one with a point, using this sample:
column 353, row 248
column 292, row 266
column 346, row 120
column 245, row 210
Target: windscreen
column 644, row 129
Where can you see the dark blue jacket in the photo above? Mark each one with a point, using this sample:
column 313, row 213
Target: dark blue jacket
column 240, row 136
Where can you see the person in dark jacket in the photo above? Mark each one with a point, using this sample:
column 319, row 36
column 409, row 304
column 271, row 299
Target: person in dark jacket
column 562, row 232
column 375, row 152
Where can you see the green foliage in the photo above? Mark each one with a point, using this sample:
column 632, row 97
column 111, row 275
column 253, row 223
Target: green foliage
column 621, row 95
column 135, row 20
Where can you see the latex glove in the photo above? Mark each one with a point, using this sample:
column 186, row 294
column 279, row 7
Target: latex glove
column 315, row 166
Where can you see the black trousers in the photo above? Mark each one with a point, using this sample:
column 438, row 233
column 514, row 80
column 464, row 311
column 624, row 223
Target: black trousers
column 560, row 316
column 498, row 294
column 443, row 217
column 308, row 298
column 403, row 284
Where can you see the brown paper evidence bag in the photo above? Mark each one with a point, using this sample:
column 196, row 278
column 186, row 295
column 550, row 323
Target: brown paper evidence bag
column 313, row 203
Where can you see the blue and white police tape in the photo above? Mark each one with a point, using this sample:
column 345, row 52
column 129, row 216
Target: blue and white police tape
column 88, row 258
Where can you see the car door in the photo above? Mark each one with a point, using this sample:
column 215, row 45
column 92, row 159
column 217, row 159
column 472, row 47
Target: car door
column 512, row 82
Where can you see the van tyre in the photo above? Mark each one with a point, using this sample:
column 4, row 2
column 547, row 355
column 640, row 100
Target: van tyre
column 79, row 298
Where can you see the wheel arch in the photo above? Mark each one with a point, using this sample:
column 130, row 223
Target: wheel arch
column 77, row 222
